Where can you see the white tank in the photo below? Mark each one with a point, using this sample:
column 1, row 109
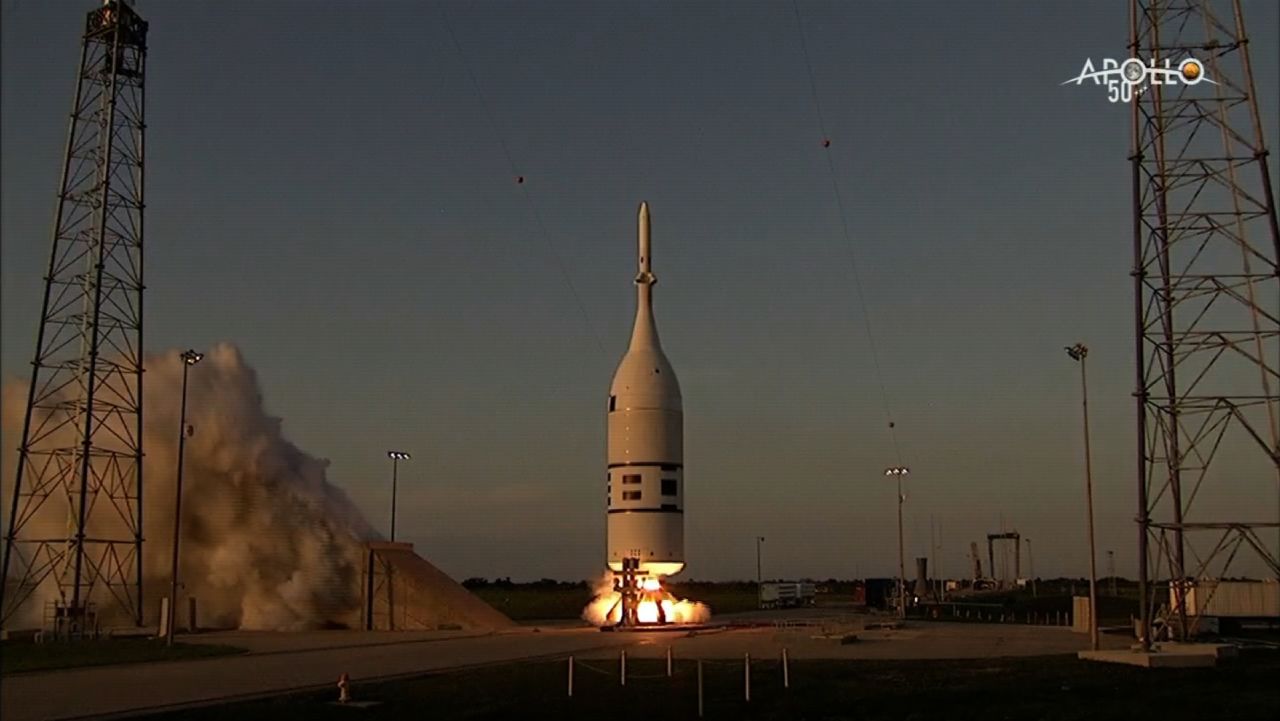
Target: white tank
column 646, row 442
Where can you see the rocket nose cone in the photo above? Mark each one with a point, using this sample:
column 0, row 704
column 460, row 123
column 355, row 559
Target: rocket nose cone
column 644, row 208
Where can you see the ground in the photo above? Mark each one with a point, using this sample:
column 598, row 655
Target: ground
column 843, row 664
column 1056, row 687
column 20, row 657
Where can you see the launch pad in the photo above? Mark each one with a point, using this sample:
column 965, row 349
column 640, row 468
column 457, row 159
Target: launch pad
column 642, row 602
column 686, row 628
column 637, row 601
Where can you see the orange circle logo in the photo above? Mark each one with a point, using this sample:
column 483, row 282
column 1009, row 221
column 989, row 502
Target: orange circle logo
column 1191, row 71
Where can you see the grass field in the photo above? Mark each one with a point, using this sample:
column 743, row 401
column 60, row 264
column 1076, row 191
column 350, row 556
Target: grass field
column 18, row 657
column 533, row 603
column 1060, row 688
column 551, row 600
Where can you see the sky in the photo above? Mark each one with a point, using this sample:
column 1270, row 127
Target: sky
column 327, row 190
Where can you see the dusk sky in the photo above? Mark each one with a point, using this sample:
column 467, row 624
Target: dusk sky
column 326, row 190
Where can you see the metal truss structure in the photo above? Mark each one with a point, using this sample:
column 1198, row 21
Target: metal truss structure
column 1207, row 307
column 75, row 524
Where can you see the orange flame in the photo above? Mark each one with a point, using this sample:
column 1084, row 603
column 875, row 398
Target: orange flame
column 606, row 608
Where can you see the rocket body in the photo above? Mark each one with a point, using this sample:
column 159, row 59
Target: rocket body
column 645, row 442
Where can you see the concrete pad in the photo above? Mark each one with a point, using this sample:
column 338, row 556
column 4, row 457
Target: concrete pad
column 1167, row 655
column 290, row 641
column 409, row 593
column 1218, row 650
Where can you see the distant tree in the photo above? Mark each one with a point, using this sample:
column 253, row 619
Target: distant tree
column 475, row 582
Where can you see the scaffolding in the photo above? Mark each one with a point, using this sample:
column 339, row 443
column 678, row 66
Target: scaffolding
column 1206, row 294
column 75, row 519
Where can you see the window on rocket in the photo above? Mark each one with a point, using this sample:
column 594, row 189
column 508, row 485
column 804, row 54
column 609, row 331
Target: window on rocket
column 669, row 486
column 631, row 495
column 613, row 403
column 631, row 479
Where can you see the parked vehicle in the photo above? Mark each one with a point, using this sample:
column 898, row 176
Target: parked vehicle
column 787, row 594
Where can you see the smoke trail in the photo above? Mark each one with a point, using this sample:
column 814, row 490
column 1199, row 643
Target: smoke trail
column 267, row 541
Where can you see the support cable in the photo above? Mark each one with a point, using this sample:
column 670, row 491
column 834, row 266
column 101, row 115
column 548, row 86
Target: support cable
column 524, row 190
column 850, row 252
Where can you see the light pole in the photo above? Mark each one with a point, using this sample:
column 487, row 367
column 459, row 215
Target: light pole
column 759, row 575
column 1079, row 352
column 189, row 358
column 898, row 472
column 1031, row 567
column 1111, row 570
column 396, row 457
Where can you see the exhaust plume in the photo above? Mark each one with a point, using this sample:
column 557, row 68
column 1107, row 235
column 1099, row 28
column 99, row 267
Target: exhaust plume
column 267, row 541
column 605, row 608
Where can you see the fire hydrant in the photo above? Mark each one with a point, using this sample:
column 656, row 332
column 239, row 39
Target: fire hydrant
column 344, row 688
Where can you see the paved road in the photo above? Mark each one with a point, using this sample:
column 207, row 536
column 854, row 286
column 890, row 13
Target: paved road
column 918, row 640
column 88, row 692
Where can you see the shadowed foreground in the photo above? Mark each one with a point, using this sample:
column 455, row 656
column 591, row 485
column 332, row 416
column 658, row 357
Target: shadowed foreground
column 1044, row 688
column 22, row 657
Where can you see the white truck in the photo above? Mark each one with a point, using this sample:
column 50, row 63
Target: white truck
column 787, row 594
column 1221, row 606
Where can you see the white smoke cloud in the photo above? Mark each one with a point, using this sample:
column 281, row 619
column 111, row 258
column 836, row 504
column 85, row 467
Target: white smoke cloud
column 267, row 541
column 601, row 610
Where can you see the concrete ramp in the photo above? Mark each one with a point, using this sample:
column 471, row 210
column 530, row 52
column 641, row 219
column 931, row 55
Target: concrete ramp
column 402, row 591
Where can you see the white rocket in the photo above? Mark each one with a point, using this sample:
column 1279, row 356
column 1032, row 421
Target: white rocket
column 646, row 442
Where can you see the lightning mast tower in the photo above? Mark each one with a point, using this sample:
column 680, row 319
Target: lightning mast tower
column 74, row 532
column 1206, row 300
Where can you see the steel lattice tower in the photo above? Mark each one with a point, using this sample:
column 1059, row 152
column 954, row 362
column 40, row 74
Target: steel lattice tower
column 1207, row 306
column 75, row 523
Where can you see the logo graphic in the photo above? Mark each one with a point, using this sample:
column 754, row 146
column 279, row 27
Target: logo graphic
column 1126, row 80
